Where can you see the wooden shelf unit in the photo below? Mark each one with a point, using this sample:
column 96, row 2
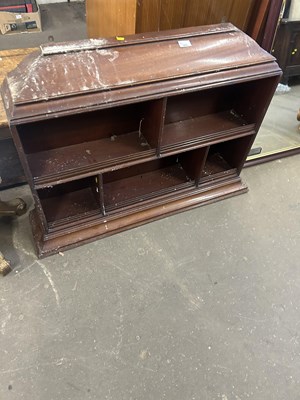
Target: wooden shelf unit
column 106, row 149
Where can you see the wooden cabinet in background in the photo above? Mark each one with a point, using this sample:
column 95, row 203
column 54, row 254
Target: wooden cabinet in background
column 127, row 132
column 156, row 15
column 287, row 49
column 115, row 18
column 110, row 17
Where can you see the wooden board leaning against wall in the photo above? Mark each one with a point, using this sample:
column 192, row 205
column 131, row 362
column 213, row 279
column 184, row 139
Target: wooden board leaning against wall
column 111, row 18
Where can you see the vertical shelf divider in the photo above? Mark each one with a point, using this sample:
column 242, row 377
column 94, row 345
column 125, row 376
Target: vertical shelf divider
column 203, row 154
column 100, row 191
column 152, row 125
column 194, row 162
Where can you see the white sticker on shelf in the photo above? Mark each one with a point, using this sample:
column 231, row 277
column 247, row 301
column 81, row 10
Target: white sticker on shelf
column 184, row 43
column 18, row 16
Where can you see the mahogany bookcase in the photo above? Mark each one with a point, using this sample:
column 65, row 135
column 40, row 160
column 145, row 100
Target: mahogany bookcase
column 115, row 133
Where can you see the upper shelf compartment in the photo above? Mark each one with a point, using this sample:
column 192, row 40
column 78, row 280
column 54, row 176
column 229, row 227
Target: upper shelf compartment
column 209, row 116
column 80, row 144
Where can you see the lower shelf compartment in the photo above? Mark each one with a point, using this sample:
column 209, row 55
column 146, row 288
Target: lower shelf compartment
column 214, row 166
column 135, row 184
column 71, row 202
column 47, row 245
column 226, row 158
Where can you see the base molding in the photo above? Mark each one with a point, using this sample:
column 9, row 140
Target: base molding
column 64, row 241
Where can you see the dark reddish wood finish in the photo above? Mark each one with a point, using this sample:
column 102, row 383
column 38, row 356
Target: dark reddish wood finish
column 115, row 134
column 258, row 18
column 272, row 23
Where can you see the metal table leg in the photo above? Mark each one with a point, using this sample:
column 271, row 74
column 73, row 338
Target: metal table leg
column 14, row 207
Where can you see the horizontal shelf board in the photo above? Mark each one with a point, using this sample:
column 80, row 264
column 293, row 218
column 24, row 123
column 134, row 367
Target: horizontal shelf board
column 70, row 207
column 218, row 176
column 74, row 221
column 151, row 197
column 203, row 129
column 64, row 162
column 137, row 188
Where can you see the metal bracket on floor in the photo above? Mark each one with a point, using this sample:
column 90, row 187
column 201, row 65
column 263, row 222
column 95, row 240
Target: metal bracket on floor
column 5, row 267
column 14, row 207
column 254, row 151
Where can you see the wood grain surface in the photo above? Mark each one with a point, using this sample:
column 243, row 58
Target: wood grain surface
column 170, row 14
column 131, row 65
column 110, row 18
column 148, row 15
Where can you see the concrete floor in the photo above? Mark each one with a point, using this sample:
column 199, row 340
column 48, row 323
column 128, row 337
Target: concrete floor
column 60, row 22
column 201, row 305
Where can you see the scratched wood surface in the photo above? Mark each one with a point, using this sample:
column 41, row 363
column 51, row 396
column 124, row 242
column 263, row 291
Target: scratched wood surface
column 9, row 59
column 104, row 69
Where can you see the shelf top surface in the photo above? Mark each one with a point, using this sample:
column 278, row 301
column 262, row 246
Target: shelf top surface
column 71, row 69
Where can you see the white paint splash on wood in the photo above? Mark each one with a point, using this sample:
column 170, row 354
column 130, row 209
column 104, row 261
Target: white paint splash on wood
column 60, row 48
column 80, row 72
column 111, row 54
